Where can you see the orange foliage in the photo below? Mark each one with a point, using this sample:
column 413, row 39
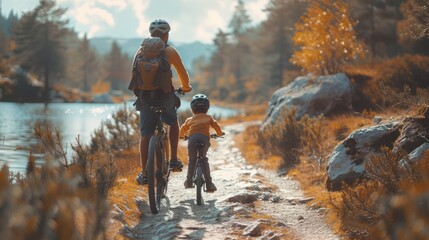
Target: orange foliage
column 326, row 38
column 100, row 87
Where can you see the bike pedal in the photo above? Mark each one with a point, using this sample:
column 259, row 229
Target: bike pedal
column 175, row 169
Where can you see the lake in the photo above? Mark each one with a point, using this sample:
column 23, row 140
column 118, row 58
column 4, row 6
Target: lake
column 17, row 121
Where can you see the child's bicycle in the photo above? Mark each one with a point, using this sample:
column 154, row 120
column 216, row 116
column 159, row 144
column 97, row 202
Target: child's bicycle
column 158, row 164
column 198, row 178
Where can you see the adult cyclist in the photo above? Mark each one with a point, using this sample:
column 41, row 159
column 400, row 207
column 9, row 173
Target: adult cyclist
column 160, row 28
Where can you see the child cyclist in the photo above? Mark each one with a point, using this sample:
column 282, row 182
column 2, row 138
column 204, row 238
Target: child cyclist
column 197, row 128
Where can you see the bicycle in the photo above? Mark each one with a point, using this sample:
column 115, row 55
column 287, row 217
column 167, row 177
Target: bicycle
column 198, row 178
column 158, row 164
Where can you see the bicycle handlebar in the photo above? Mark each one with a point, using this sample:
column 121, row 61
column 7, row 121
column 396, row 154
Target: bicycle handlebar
column 214, row 136
column 179, row 91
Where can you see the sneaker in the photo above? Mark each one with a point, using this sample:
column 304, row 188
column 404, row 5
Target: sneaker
column 210, row 187
column 141, row 179
column 188, row 183
column 176, row 164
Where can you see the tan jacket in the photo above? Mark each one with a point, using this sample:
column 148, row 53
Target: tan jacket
column 199, row 123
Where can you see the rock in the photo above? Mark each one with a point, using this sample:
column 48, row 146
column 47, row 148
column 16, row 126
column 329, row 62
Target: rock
column 300, row 217
column 265, row 197
column 323, row 95
column 275, row 199
column 305, row 200
column 269, row 235
column 253, row 230
column 246, row 197
column 281, row 224
column 414, row 133
column 346, row 162
column 239, row 225
column 377, row 120
column 418, row 153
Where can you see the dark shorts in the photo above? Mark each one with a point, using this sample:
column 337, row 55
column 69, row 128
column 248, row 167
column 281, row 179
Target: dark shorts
column 148, row 117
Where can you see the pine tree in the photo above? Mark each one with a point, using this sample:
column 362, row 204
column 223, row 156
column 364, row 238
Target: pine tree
column 39, row 37
column 376, row 24
column 239, row 48
column 326, row 38
column 275, row 42
column 116, row 67
column 88, row 64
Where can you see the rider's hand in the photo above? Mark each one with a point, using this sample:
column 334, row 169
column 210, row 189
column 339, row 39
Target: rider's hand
column 186, row 89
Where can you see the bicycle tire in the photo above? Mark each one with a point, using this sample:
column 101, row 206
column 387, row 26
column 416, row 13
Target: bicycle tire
column 199, row 182
column 153, row 174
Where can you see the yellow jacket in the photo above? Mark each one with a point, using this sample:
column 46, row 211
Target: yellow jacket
column 199, row 123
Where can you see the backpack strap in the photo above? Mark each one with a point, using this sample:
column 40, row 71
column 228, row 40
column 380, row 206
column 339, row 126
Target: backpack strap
column 134, row 75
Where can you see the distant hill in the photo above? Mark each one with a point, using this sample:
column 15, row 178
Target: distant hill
column 188, row 51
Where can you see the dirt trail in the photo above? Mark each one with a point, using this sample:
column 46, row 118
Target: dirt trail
column 243, row 194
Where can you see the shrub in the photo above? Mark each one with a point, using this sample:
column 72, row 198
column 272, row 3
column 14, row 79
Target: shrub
column 65, row 200
column 390, row 203
column 289, row 137
column 283, row 138
column 410, row 70
column 119, row 133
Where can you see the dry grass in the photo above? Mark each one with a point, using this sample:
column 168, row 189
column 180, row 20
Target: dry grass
column 308, row 172
column 252, row 151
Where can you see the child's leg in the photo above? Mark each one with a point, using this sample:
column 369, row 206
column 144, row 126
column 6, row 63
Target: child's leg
column 192, row 161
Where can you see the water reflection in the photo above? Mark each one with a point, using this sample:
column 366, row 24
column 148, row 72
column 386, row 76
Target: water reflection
column 17, row 122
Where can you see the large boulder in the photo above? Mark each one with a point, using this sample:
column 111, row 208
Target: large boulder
column 311, row 96
column 415, row 132
column 346, row 162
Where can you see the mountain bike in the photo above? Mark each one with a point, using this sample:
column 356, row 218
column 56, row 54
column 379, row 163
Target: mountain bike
column 198, row 178
column 158, row 164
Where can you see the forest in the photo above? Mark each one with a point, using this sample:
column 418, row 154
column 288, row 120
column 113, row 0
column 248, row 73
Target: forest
column 249, row 62
column 382, row 46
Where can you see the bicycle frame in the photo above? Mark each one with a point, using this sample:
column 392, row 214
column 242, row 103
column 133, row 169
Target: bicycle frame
column 158, row 163
column 198, row 178
column 157, row 168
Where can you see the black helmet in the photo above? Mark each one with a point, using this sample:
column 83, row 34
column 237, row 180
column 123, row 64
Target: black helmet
column 201, row 102
column 159, row 25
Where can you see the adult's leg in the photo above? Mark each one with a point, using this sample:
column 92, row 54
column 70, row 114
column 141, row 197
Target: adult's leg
column 144, row 145
column 174, row 139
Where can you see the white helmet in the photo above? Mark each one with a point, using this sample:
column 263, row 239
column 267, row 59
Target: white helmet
column 159, row 25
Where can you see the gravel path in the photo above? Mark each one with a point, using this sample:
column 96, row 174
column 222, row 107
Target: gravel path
column 249, row 204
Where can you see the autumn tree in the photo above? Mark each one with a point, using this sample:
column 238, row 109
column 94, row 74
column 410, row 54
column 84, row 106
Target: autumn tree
column 39, row 37
column 326, row 38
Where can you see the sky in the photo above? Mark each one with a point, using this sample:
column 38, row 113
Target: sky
column 190, row 20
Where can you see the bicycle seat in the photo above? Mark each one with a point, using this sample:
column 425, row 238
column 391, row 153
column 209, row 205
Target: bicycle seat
column 157, row 109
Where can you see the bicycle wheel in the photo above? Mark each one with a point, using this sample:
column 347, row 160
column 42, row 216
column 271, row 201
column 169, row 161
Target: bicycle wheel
column 154, row 174
column 199, row 182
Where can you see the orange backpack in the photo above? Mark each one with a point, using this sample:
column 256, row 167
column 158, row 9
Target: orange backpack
column 151, row 70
